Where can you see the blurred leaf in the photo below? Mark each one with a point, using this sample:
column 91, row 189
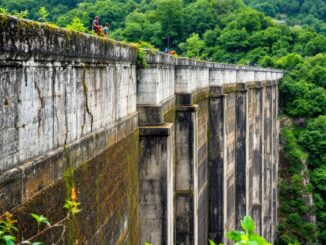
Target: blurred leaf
column 234, row 235
column 40, row 219
column 248, row 224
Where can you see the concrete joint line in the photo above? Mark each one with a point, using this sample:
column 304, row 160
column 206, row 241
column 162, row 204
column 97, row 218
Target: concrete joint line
column 192, row 108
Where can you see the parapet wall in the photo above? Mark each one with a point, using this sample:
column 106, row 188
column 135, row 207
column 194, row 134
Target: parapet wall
column 182, row 142
column 168, row 76
column 58, row 86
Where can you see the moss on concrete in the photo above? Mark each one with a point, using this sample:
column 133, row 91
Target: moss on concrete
column 4, row 21
column 57, row 41
column 133, row 219
column 230, row 88
column 107, row 188
column 200, row 95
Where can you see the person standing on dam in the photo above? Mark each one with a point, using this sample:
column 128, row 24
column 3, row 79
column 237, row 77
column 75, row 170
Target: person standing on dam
column 96, row 26
column 106, row 30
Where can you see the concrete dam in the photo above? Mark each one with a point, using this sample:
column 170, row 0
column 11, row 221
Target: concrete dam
column 176, row 151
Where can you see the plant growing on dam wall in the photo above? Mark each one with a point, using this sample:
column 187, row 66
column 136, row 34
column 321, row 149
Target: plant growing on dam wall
column 8, row 224
column 247, row 236
column 141, row 53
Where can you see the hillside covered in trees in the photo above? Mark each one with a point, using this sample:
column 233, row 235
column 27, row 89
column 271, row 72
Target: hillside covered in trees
column 230, row 31
column 311, row 13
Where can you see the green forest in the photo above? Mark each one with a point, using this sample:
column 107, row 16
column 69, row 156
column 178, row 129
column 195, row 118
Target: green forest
column 283, row 34
column 310, row 13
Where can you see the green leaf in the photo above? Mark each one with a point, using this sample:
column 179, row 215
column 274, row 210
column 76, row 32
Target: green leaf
column 8, row 240
column 258, row 239
column 235, row 235
column 211, row 242
column 37, row 243
column 252, row 243
column 40, row 219
column 72, row 208
column 248, row 224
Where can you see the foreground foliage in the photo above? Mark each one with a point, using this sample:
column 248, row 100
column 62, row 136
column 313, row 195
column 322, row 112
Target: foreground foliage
column 8, row 224
column 246, row 237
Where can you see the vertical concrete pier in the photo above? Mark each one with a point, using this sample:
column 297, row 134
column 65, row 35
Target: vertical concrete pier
column 192, row 81
column 186, row 174
column 241, row 154
column 216, row 163
column 255, row 111
column 268, row 164
column 156, row 161
column 156, row 107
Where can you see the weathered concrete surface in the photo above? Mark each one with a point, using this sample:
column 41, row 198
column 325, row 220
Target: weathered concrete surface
column 186, row 176
column 243, row 132
column 230, row 162
column 56, row 94
column 156, row 108
column 241, row 153
column 268, row 164
column 63, row 109
column 216, row 163
column 107, row 188
column 202, row 169
column 206, row 156
column 255, row 155
column 156, row 183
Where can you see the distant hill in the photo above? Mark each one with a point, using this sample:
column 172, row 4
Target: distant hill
column 303, row 12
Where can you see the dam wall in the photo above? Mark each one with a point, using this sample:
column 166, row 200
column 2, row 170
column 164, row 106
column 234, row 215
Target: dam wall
column 174, row 151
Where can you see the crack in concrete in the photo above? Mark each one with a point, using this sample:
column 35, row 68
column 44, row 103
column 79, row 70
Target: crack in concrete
column 42, row 100
column 66, row 116
column 54, row 115
column 86, row 106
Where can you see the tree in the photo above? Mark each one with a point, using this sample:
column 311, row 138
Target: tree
column 289, row 61
column 133, row 31
column 193, row 46
column 211, row 37
column 266, row 61
column 43, row 14
column 314, row 140
column 234, row 40
column 170, row 15
column 143, row 27
column 267, row 8
column 254, row 55
column 316, row 45
column 248, row 19
column 76, row 25
column 199, row 16
column 317, row 75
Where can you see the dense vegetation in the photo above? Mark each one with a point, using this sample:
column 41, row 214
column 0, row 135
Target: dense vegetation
column 311, row 13
column 231, row 32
